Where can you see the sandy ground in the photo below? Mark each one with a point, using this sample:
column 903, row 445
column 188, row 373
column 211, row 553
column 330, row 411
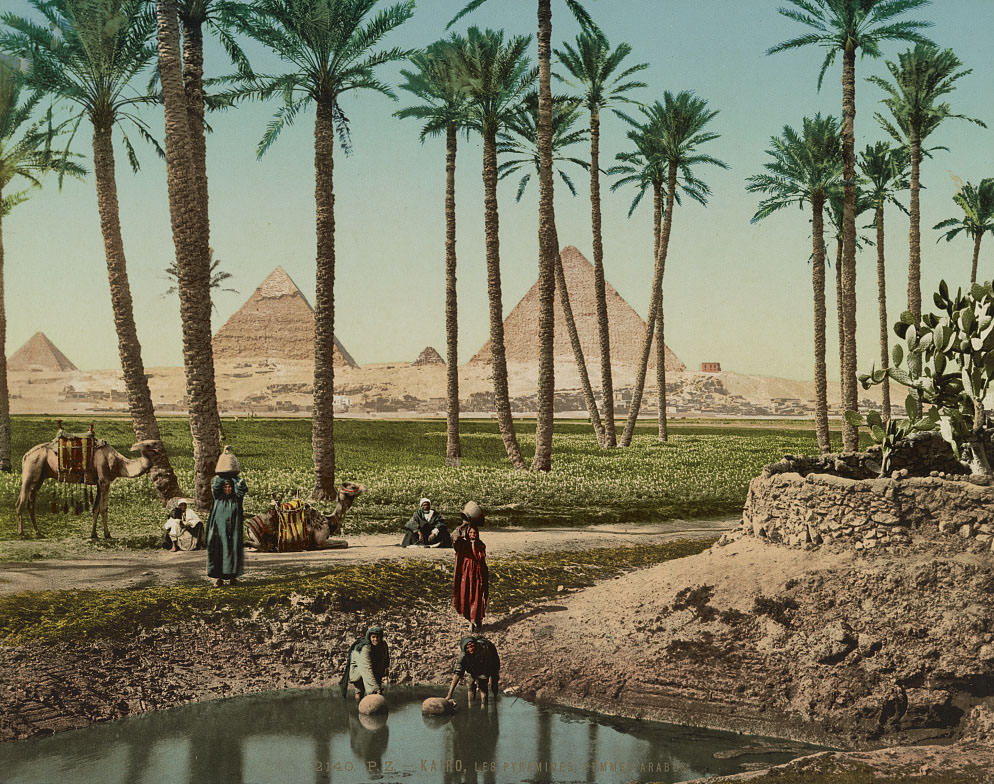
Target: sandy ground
column 160, row 567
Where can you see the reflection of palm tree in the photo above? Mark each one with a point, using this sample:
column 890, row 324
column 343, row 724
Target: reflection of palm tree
column 921, row 77
column 843, row 26
column 522, row 144
column 805, row 169
column 885, row 172
column 497, row 76
column 329, row 46
column 87, row 55
column 436, row 83
column 977, row 219
column 593, row 64
column 25, row 152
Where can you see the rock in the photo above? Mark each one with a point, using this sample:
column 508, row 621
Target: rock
column 965, row 531
column 373, row 704
column 436, row 706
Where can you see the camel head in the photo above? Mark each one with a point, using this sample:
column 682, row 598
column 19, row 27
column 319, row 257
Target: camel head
column 318, row 520
column 347, row 494
column 149, row 448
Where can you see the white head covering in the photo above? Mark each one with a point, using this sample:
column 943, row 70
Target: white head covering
column 425, row 501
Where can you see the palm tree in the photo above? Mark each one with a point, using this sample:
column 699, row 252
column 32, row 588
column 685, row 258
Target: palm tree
column 219, row 278
column 522, row 144
column 593, row 64
column 836, row 213
column 328, row 45
column 548, row 241
column 920, row 78
column 87, row 54
column 977, row 204
column 885, row 172
column 444, row 110
column 674, row 131
column 496, row 76
column 186, row 209
column 25, row 153
column 806, row 168
column 847, row 26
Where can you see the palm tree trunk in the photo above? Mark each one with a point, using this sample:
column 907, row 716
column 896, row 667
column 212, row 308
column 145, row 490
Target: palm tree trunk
column 654, row 302
column 491, row 227
column 133, row 369
column 882, row 311
column 4, row 391
column 976, row 256
column 192, row 266
column 610, row 439
column 840, row 308
column 818, row 284
column 850, row 398
column 914, row 228
column 453, row 453
column 548, row 249
column 323, row 422
column 662, row 433
column 581, row 365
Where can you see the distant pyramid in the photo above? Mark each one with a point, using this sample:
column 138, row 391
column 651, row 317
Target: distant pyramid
column 276, row 322
column 39, row 352
column 429, row 357
column 625, row 326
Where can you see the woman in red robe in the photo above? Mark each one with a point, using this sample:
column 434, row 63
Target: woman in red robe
column 471, row 586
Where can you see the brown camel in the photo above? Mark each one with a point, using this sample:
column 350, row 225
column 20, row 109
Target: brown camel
column 41, row 462
column 260, row 531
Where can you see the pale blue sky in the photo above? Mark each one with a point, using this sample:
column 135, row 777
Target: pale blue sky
column 736, row 293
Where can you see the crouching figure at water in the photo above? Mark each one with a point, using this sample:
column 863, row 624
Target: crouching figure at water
column 426, row 528
column 225, row 542
column 480, row 659
column 366, row 664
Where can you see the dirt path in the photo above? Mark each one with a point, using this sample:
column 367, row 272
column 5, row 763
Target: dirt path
column 159, row 567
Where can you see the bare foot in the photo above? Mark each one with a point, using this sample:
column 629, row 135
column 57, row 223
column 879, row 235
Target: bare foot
column 217, row 584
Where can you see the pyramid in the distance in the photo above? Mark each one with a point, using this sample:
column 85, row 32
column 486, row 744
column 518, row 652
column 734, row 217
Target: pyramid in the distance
column 276, row 322
column 39, row 353
column 625, row 326
column 429, row 356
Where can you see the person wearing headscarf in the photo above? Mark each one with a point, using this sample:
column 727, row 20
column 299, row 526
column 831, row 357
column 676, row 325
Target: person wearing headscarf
column 225, row 537
column 471, row 584
column 426, row 528
column 184, row 530
column 479, row 658
column 366, row 664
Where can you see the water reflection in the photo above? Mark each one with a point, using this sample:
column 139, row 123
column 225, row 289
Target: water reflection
column 315, row 736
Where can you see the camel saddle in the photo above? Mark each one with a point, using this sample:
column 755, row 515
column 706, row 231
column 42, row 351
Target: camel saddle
column 291, row 535
column 75, row 454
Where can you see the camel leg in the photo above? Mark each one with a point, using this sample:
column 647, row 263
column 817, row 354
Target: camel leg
column 98, row 503
column 105, row 496
column 32, row 497
column 27, row 496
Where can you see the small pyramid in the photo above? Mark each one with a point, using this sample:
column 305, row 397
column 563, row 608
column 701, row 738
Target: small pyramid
column 625, row 327
column 429, row 357
column 276, row 322
column 39, row 353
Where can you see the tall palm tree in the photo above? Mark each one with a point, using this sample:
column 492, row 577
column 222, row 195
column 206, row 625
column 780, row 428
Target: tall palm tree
column 594, row 67
column 548, row 241
column 675, row 131
column 845, row 26
column 25, row 153
column 921, row 77
column 805, row 168
column 443, row 110
column 219, row 279
column 87, row 54
column 884, row 170
column 328, row 45
column 186, row 208
column 497, row 76
column 977, row 203
column 522, row 144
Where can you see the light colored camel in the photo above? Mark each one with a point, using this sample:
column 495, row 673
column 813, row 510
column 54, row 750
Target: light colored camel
column 260, row 531
column 41, row 462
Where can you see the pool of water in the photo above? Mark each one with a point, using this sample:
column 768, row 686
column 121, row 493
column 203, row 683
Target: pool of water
column 315, row 736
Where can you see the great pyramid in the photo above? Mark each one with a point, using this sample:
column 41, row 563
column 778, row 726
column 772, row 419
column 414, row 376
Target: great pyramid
column 276, row 322
column 39, row 352
column 625, row 326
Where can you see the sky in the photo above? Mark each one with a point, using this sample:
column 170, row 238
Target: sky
column 735, row 292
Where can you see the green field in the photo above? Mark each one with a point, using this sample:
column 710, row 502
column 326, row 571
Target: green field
column 703, row 471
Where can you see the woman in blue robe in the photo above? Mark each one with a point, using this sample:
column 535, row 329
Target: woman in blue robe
column 225, row 541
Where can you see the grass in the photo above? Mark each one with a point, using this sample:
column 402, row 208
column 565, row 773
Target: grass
column 703, row 471
column 74, row 616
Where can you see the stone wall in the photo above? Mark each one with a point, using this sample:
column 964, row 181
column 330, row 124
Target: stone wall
column 809, row 510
